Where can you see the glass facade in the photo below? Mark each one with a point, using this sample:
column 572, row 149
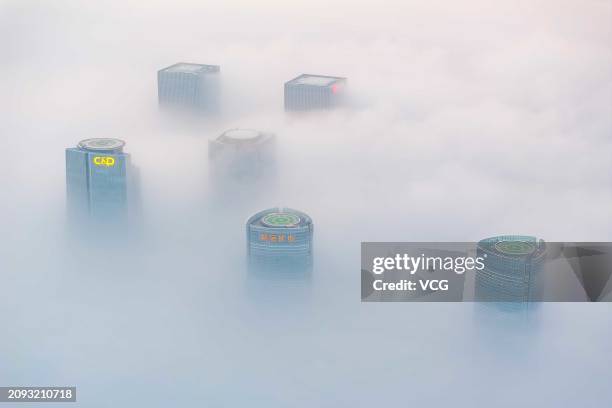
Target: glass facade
column 512, row 265
column 310, row 92
column 189, row 86
column 97, row 180
column 280, row 237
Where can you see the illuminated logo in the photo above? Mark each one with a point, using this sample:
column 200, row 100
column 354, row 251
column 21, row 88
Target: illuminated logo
column 276, row 237
column 104, row 161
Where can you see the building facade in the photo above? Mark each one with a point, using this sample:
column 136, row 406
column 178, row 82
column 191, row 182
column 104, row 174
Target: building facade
column 280, row 237
column 241, row 154
column 189, row 86
column 97, row 179
column 311, row 92
column 512, row 265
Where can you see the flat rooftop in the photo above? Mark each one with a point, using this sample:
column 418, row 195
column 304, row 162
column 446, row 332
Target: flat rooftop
column 315, row 80
column 281, row 219
column 101, row 144
column 189, row 68
column 515, row 248
column 242, row 136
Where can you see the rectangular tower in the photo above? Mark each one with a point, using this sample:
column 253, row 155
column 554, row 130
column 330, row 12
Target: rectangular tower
column 309, row 92
column 97, row 179
column 189, row 86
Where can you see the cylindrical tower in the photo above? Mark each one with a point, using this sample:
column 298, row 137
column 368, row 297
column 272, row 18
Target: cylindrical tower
column 280, row 237
column 512, row 264
column 241, row 154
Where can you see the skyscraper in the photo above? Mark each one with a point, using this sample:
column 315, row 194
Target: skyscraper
column 189, row 86
column 309, row 92
column 98, row 180
column 512, row 265
column 241, row 154
column 280, row 237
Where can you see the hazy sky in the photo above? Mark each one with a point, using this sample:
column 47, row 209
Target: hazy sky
column 459, row 107
column 467, row 119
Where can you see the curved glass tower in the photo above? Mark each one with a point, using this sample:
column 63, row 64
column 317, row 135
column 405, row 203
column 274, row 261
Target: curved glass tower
column 280, row 237
column 512, row 264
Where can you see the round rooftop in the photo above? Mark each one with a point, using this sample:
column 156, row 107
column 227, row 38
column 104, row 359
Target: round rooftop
column 240, row 135
column 515, row 248
column 280, row 219
column 101, row 144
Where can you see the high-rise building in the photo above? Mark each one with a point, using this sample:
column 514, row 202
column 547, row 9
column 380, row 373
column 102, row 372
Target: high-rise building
column 189, row 86
column 309, row 92
column 512, row 265
column 280, row 237
column 98, row 179
column 241, row 154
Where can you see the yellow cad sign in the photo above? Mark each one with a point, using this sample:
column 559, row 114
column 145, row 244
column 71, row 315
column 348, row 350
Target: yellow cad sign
column 104, row 161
